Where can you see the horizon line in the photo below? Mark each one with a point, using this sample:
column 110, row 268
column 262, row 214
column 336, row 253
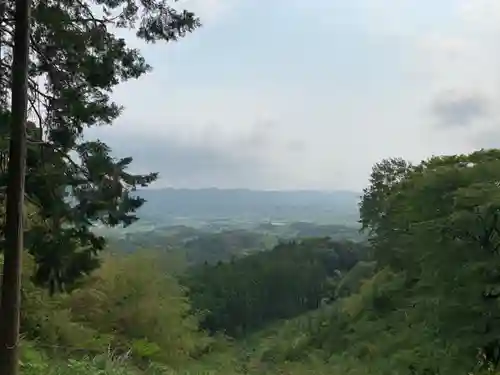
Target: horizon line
column 291, row 190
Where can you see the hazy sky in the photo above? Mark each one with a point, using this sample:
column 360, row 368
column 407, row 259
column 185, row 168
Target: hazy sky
column 310, row 94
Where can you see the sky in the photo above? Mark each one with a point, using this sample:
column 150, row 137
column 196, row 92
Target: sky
column 310, row 94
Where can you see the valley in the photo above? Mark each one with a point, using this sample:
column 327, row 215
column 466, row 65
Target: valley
column 413, row 293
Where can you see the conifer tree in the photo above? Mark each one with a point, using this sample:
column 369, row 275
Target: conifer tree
column 72, row 183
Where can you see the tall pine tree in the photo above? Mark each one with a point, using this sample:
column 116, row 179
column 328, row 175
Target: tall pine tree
column 72, row 183
column 10, row 304
column 75, row 62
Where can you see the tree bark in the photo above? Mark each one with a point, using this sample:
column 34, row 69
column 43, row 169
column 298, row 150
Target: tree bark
column 11, row 283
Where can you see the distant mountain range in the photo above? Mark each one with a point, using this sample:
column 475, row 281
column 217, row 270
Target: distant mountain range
column 190, row 206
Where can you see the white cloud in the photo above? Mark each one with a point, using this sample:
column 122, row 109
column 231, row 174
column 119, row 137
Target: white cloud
column 480, row 15
column 371, row 104
column 457, row 60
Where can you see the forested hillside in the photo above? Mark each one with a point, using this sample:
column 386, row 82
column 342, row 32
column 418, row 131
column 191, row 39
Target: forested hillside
column 420, row 298
column 205, row 245
column 242, row 296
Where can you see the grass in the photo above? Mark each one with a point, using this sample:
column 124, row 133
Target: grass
column 34, row 362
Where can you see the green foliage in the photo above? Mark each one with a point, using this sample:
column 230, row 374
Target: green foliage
column 422, row 299
column 243, row 295
column 129, row 305
column 352, row 280
column 75, row 62
column 144, row 309
column 335, row 232
column 215, row 247
column 428, row 301
column 211, row 245
column 196, row 246
column 432, row 304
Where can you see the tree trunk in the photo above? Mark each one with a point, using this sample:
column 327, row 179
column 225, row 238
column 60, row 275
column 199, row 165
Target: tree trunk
column 11, row 283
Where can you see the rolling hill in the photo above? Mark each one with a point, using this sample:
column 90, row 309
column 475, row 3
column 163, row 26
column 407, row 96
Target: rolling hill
column 201, row 206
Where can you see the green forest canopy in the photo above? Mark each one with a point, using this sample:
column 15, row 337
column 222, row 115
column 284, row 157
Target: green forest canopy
column 420, row 298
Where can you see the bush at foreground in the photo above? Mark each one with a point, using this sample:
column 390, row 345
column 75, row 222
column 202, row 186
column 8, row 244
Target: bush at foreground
column 145, row 310
column 129, row 304
column 35, row 363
